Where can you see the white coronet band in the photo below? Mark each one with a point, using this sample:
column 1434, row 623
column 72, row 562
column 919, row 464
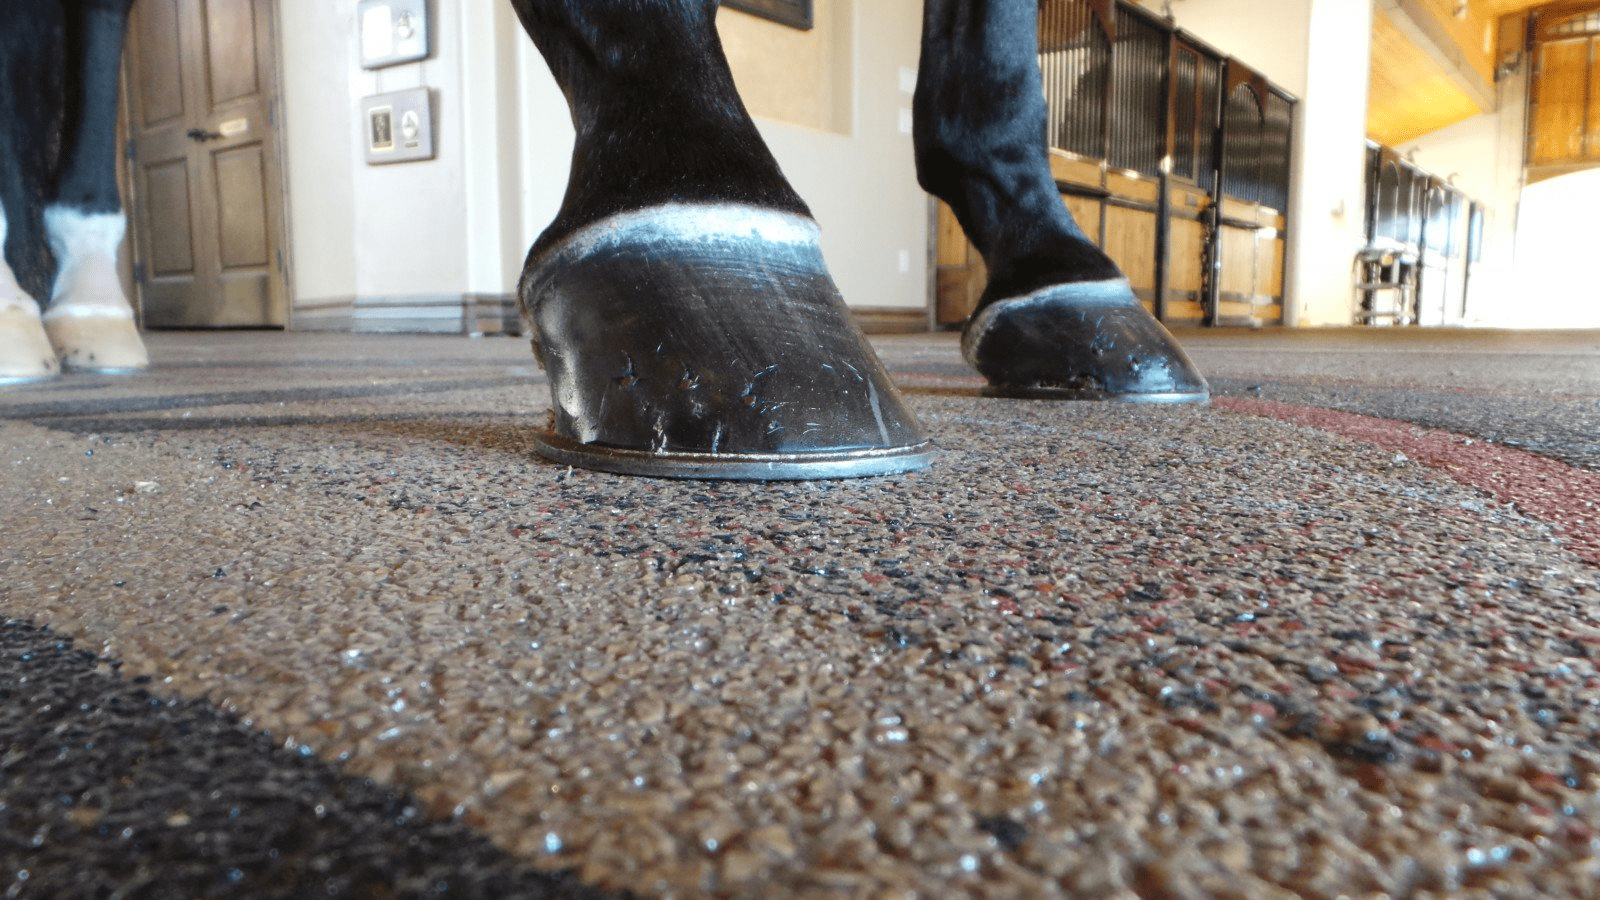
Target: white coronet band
column 688, row 222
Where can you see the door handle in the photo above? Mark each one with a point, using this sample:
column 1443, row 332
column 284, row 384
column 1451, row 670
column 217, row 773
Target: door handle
column 202, row 135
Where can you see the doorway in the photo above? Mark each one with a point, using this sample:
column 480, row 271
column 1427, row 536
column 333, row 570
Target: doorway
column 1555, row 270
column 204, row 167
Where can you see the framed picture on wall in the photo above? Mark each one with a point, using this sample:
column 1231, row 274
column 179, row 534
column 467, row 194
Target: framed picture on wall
column 795, row 13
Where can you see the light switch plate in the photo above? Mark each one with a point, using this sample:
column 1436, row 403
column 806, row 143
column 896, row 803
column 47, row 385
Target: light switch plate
column 398, row 126
column 392, row 32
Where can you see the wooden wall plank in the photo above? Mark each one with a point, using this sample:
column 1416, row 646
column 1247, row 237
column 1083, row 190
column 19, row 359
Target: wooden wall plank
column 1561, row 98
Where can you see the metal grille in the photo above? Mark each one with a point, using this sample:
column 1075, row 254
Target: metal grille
column 1075, row 60
column 1391, row 209
column 1196, row 83
column 1417, row 213
column 1277, row 135
column 1138, row 95
column 1185, row 88
column 1582, row 24
column 1242, row 145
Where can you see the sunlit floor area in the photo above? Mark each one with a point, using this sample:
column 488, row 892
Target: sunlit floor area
column 298, row 615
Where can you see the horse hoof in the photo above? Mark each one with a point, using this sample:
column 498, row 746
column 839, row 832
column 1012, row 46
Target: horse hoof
column 1083, row 341
column 25, row 352
column 709, row 341
column 96, row 343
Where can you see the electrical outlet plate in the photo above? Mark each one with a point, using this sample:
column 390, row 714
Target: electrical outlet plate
column 398, row 126
column 392, row 32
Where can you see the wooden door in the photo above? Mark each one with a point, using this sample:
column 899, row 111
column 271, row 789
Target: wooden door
column 207, row 206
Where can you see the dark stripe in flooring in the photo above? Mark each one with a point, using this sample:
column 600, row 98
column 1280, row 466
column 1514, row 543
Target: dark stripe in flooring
column 109, row 790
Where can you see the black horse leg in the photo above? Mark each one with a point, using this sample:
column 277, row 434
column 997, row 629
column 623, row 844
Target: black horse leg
column 89, row 320
column 32, row 34
column 1057, row 318
column 680, row 302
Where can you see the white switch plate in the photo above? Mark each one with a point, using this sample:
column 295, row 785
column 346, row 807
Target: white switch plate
column 392, row 32
column 398, row 126
column 908, row 80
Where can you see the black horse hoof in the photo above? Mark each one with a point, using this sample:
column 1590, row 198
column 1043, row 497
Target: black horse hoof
column 709, row 341
column 1083, row 341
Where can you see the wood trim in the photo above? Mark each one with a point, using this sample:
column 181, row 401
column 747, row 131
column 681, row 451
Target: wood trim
column 890, row 319
column 1069, row 170
column 1124, row 186
column 465, row 314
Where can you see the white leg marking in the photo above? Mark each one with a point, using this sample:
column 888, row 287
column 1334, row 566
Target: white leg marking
column 89, row 319
column 85, row 246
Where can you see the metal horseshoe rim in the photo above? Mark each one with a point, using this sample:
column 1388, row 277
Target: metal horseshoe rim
column 816, row 466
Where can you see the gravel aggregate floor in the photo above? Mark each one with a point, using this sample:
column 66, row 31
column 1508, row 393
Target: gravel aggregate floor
column 303, row 615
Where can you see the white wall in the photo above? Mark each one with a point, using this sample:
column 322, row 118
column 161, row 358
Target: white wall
column 319, row 163
column 461, row 223
column 1484, row 154
column 862, row 186
column 397, row 233
column 1267, row 35
column 1327, row 210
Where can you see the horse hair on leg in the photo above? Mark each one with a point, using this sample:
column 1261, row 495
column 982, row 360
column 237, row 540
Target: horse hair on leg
column 1057, row 318
column 30, row 90
column 59, row 63
column 680, row 302
column 89, row 320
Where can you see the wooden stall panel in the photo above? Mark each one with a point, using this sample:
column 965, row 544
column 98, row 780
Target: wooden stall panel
column 952, row 241
column 1266, row 266
column 1238, row 262
column 1238, row 210
column 1591, row 134
column 1131, row 244
column 1186, row 260
column 1071, row 170
column 960, row 274
column 1086, row 212
column 1279, row 250
column 1132, row 187
column 1186, row 271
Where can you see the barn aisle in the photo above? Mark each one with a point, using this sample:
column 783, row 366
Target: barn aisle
column 304, row 615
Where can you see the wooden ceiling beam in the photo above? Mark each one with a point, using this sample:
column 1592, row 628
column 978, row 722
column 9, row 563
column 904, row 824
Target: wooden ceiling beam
column 1421, row 23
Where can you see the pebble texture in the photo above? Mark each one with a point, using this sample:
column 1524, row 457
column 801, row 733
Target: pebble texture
column 1096, row 650
column 112, row 791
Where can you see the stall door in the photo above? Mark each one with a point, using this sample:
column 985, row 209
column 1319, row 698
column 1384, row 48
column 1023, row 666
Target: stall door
column 207, row 198
column 1191, row 188
column 1250, row 237
column 1444, row 257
